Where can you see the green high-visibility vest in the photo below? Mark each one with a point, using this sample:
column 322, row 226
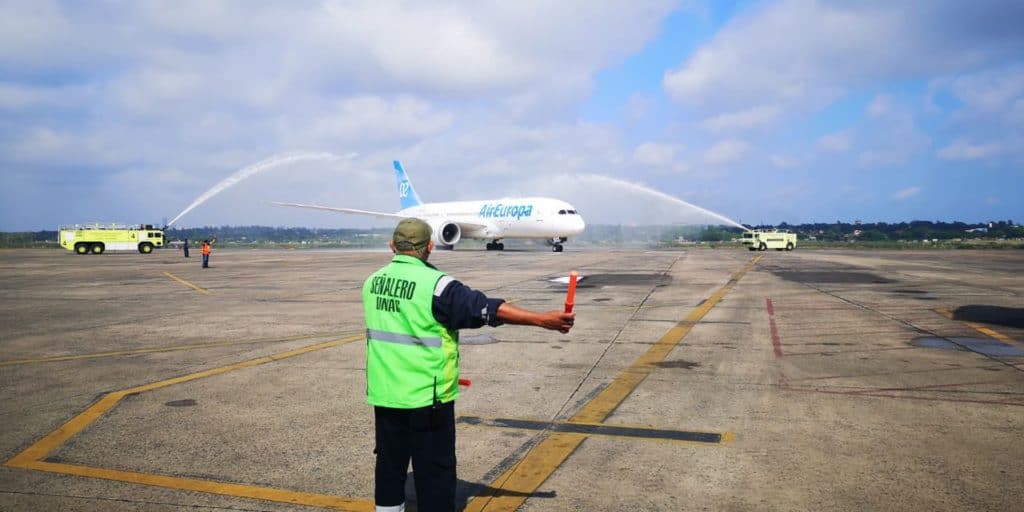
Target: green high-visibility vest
column 411, row 359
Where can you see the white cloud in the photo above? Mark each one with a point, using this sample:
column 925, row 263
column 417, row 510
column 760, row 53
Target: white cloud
column 838, row 142
column 654, row 154
column 638, row 107
column 784, row 162
column 882, row 157
column 989, row 104
column 743, row 119
column 890, row 135
column 808, row 52
column 989, row 90
column 240, row 50
column 880, row 106
column 19, row 97
column 962, row 149
column 906, row 193
column 726, row 152
column 374, row 119
column 203, row 88
column 987, row 116
column 485, row 95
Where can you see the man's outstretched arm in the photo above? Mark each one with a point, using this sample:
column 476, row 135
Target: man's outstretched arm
column 554, row 320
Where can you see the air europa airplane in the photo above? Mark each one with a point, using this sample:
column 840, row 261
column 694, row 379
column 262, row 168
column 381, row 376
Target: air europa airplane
column 494, row 220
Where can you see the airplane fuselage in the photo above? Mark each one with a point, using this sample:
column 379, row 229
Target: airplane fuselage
column 527, row 217
column 493, row 220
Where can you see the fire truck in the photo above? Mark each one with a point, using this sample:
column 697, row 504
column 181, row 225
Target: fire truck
column 764, row 239
column 98, row 238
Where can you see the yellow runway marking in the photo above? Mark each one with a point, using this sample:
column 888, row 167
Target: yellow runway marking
column 209, row 486
column 510, row 490
column 160, row 349
column 978, row 327
column 186, row 283
column 32, row 457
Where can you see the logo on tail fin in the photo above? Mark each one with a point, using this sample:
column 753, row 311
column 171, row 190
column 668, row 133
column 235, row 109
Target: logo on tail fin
column 406, row 193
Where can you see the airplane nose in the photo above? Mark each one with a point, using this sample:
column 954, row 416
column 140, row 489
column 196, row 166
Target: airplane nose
column 579, row 225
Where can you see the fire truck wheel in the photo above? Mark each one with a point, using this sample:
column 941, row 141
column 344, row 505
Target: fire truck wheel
column 96, row 248
column 145, row 248
column 81, row 248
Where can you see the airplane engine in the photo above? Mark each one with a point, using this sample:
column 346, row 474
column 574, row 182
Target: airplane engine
column 446, row 232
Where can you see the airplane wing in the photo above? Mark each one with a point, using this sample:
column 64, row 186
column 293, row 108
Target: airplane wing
column 474, row 228
column 383, row 215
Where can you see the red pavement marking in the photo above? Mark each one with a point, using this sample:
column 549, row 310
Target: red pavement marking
column 776, row 343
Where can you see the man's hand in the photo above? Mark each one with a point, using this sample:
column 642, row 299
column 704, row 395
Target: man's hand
column 557, row 320
column 554, row 320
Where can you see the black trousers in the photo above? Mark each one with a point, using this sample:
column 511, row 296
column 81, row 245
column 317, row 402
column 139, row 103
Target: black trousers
column 427, row 437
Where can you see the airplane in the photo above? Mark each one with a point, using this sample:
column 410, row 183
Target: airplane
column 493, row 220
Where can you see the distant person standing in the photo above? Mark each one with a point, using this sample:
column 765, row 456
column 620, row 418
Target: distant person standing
column 185, row 247
column 206, row 253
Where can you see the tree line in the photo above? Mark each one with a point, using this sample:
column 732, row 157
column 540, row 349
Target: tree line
column 917, row 230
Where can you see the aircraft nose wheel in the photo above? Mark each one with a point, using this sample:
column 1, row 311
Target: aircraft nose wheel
column 556, row 248
column 495, row 246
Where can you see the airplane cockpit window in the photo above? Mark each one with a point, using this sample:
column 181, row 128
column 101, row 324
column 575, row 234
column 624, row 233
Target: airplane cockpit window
column 561, row 212
column 572, row 212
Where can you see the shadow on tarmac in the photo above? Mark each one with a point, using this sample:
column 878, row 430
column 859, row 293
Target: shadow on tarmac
column 464, row 491
column 996, row 315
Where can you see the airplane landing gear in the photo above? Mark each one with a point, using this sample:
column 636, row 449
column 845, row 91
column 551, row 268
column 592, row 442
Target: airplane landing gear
column 495, row 246
column 556, row 244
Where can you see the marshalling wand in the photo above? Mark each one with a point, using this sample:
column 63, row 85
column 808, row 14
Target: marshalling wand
column 570, row 296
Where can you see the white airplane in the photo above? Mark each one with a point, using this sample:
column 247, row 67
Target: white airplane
column 495, row 220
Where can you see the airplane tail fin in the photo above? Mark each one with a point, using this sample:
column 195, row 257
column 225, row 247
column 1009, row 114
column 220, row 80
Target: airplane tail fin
column 406, row 194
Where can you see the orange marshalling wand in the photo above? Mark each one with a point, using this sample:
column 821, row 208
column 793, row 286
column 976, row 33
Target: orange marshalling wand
column 570, row 296
column 465, row 382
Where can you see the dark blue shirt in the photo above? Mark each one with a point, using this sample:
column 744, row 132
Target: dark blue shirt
column 457, row 306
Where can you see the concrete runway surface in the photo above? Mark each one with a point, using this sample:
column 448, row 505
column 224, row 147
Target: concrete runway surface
column 693, row 380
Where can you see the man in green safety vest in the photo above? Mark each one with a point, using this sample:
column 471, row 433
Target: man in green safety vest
column 413, row 316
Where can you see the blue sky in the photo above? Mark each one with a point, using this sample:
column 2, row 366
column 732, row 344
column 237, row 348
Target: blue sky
column 763, row 111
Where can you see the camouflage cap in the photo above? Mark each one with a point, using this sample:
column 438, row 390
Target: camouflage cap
column 411, row 234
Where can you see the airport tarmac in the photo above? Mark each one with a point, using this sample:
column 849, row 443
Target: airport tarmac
column 693, row 380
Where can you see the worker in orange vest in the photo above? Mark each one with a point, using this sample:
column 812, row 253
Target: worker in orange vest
column 206, row 253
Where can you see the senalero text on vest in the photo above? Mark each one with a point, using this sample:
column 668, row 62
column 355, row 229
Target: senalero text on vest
column 506, row 210
column 389, row 289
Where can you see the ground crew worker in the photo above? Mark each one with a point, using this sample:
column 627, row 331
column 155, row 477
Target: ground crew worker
column 413, row 314
column 206, row 253
column 185, row 247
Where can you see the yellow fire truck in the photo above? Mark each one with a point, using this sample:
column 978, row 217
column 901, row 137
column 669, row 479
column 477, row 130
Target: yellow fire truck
column 97, row 238
column 764, row 239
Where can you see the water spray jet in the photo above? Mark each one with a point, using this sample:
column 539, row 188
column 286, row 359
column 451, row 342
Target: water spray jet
column 252, row 169
column 618, row 184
